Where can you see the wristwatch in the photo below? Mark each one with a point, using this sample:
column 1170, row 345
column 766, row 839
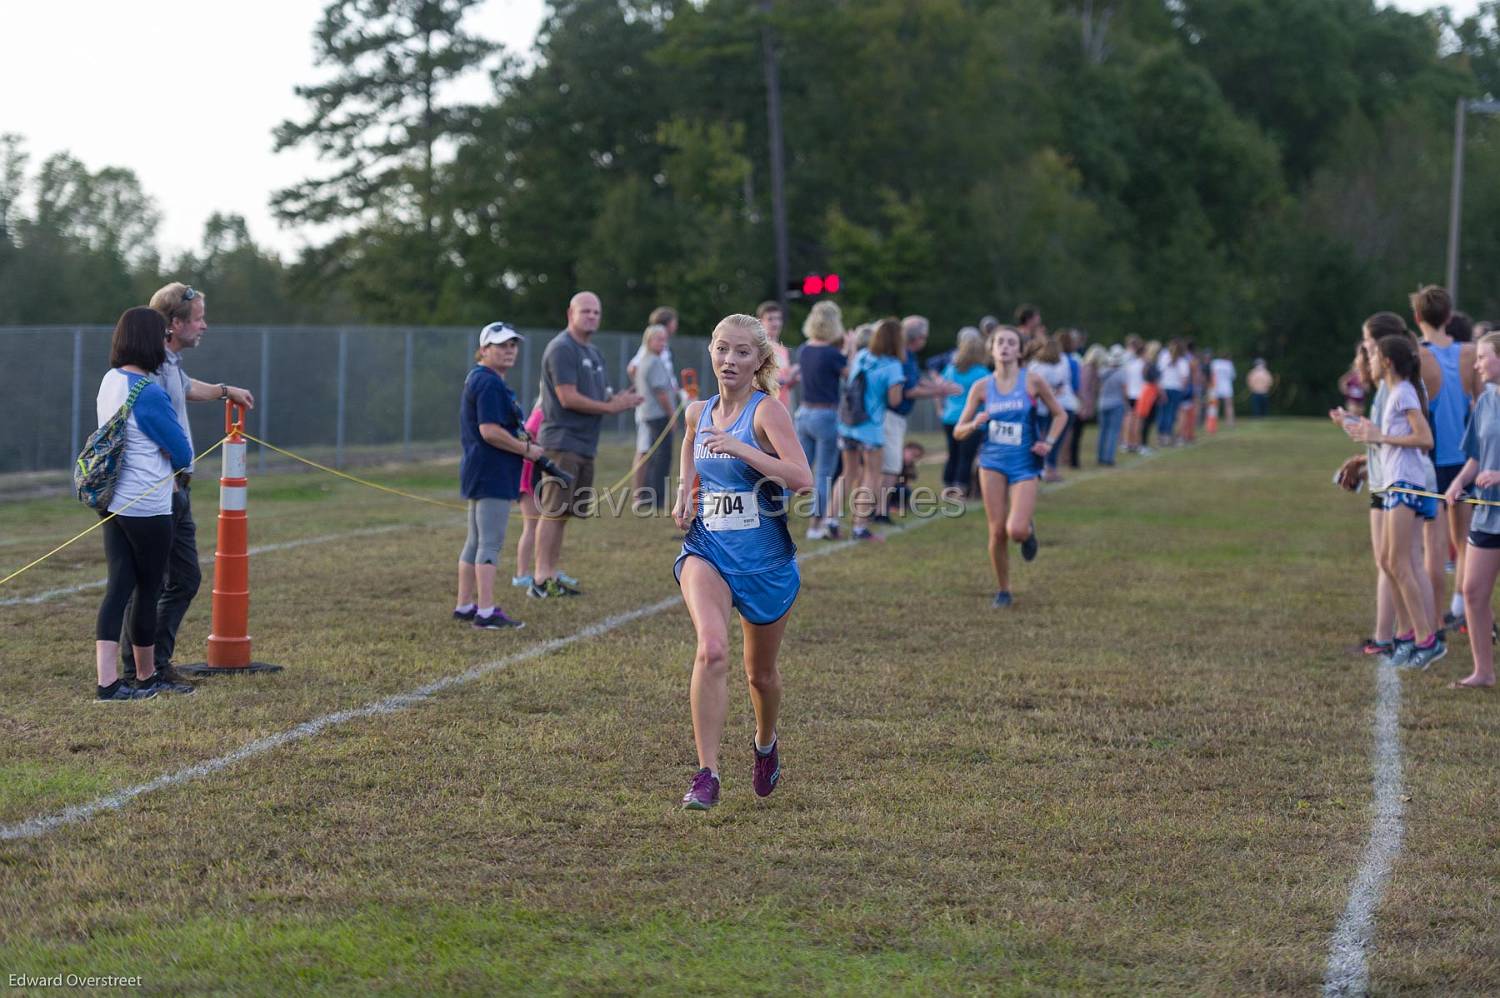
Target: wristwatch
column 223, row 390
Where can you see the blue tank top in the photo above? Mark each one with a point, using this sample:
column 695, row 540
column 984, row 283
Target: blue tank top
column 1449, row 411
column 741, row 526
column 1011, row 431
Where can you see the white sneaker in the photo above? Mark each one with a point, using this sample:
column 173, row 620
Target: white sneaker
column 816, row 533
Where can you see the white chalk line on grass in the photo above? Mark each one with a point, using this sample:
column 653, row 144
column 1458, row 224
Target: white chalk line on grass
column 1348, row 970
column 84, row 587
column 34, row 827
column 43, row 824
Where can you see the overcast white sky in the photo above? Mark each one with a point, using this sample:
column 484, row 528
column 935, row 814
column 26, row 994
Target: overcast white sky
column 105, row 79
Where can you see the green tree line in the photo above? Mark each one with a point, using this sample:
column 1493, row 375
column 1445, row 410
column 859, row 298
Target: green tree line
column 1258, row 175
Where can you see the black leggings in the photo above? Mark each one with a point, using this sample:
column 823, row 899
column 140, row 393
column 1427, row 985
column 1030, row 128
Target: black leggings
column 959, row 467
column 136, row 548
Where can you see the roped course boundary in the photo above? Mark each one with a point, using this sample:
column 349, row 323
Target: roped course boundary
column 43, row 824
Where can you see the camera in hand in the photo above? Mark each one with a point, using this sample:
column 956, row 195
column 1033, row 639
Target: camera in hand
column 549, row 467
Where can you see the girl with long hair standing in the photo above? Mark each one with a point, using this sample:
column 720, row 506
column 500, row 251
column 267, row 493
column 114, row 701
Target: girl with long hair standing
column 1403, row 435
column 1003, row 407
column 1481, row 446
column 738, row 554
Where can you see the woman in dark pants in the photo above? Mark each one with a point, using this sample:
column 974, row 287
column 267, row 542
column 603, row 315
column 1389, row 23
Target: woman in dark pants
column 138, row 537
column 967, row 367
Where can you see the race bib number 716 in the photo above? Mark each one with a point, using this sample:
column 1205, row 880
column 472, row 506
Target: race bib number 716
column 1005, row 433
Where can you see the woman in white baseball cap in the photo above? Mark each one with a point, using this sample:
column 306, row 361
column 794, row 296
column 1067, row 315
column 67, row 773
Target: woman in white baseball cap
column 489, row 473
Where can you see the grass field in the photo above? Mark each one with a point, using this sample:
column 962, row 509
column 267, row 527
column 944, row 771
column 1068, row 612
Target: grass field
column 1152, row 775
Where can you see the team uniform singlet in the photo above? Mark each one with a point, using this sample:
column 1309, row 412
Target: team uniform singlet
column 1449, row 409
column 741, row 524
column 1011, row 431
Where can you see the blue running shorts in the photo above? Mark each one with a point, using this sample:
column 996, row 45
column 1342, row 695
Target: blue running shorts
column 761, row 597
column 1424, row 506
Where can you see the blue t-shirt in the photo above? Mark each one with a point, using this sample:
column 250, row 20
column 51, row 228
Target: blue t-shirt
column 487, row 472
column 822, row 368
column 912, row 372
column 880, row 374
column 953, row 405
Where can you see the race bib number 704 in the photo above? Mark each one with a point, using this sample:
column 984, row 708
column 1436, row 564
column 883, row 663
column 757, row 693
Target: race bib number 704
column 730, row 511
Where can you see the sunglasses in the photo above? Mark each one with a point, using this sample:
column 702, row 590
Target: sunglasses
column 189, row 294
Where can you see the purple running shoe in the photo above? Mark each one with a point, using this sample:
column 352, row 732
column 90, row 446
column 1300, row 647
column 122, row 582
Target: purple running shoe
column 705, row 792
column 767, row 768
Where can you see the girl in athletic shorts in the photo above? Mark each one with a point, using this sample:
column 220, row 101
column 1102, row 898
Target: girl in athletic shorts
column 1389, row 613
column 742, row 447
column 1004, row 406
column 1481, row 445
column 526, row 546
column 1403, row 436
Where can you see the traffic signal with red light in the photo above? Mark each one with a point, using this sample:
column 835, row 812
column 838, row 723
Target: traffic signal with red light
column 814, row 285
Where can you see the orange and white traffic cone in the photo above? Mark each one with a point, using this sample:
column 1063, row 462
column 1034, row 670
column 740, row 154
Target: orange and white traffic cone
column 229, row 640
column 1211, row 424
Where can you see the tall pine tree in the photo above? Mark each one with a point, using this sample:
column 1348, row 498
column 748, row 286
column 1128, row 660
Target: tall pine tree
column 382, row 118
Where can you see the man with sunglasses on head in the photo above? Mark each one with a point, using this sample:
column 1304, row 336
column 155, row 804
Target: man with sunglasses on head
column 184, row 309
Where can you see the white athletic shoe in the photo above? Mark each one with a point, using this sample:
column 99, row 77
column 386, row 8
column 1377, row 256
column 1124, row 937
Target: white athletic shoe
column 816, row 533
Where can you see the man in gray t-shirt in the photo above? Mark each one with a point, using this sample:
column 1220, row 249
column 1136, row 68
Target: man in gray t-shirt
column 567, row 361
column 575, row 400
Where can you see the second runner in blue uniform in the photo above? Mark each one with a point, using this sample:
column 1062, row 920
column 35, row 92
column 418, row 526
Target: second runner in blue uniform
column 1003, row 407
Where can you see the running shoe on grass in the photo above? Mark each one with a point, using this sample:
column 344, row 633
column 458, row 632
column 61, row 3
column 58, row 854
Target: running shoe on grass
column 162, row 684
column 704, row 793
column 767, row 768
column 496, row 621
column 120, row 692
column 1420, row 658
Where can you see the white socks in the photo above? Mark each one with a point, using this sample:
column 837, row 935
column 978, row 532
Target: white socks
column 1457, row 607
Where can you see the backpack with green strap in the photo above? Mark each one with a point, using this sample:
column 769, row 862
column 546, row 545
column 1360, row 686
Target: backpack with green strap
column 97, row 470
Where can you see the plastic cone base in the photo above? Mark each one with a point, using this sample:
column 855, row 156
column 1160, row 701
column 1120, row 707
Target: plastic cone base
column 204, row 669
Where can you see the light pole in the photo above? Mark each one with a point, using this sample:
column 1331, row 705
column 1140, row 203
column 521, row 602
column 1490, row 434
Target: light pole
column 1456, row 190
column 778, row 156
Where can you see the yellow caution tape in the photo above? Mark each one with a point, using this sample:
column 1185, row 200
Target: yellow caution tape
column 105, row 519
column 353, row 478
column 1432, row 495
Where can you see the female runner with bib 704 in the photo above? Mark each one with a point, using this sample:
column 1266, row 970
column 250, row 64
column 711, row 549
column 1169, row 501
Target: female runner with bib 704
column 738, row 554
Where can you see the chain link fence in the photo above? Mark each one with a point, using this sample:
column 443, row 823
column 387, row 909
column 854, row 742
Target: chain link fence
column 331, row 391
